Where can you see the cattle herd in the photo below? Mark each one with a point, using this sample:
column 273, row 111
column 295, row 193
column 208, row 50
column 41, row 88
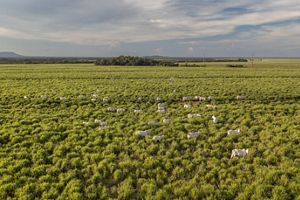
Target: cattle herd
column 162, row 108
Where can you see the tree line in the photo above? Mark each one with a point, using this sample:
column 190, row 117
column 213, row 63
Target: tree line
column 133, row 61
column 117, row 61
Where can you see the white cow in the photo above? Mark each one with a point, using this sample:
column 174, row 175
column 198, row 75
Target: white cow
column 187, row 98
column 25, row 97
column 137, row 111
column 239, row 152
column 100, row 122
column 202, row 98
column 85, row 122
column 192, row 115
column 44, row 96
column 140, row 99
column 187, row 105
column 211, row 106
column 166, row 121
column 106, row 99
column 193, row 135
column 80, row 97
column 120, row 110
column 240, row 97
column 153, row 123
column 62, row 98
column 95, row 96
column 111, row 109
column 161, row 105
column 210, row 98
column 230, row 132
column 142, row 133
column 158, row 138
column 215, row 119
column 158, row 99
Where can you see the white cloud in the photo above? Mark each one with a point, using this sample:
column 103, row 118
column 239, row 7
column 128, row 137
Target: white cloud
column 116, row 22
column 6, row 32
column 148, row 5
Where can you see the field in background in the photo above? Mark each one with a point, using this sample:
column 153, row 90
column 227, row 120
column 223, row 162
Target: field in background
column 257, row 63
column 47, row 152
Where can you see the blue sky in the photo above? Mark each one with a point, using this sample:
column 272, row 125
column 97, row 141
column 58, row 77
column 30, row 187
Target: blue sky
column 158, row 27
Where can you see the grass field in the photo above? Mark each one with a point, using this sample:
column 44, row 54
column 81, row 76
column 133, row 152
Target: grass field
column 47, row 152
column 259, row 63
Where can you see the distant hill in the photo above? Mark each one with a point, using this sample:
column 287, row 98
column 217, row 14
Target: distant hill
column 10, row 55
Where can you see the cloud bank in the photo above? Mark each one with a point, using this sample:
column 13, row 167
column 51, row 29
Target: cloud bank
column 138, row 27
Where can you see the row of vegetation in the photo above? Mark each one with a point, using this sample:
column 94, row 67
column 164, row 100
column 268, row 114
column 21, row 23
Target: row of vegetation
column 199, row 59
column 121, row 60
column 186, row 64
column 46, row 60
column 235, row 66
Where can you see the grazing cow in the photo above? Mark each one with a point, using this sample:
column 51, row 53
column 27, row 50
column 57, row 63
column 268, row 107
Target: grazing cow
column 215, row 119
column 192, row 115
column 166, row 121
column 44, row 97
column 106, row 99
column 187, row 105
column 239, row 152
column 142, row 133
column 210, row 98
column 158, row 138
column 193, row 135
column 153, row 123
column 100, row 123
column 137, row 111
column 230, row 132
column 62, row 98
column 187, row 98
column 120, row 110
column 111, row 109
column 161, row 105
column 202, row 98
column 140, row 99
column 211, row 106
column 85, row 122
column 80, row 97
column 158, row 99
column 240, row 97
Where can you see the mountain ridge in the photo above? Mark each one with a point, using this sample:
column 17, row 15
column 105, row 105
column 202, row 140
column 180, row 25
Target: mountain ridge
column 10, row 54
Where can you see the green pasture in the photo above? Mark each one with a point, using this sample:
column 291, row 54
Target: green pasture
column 47, row 152
column 257, row 63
